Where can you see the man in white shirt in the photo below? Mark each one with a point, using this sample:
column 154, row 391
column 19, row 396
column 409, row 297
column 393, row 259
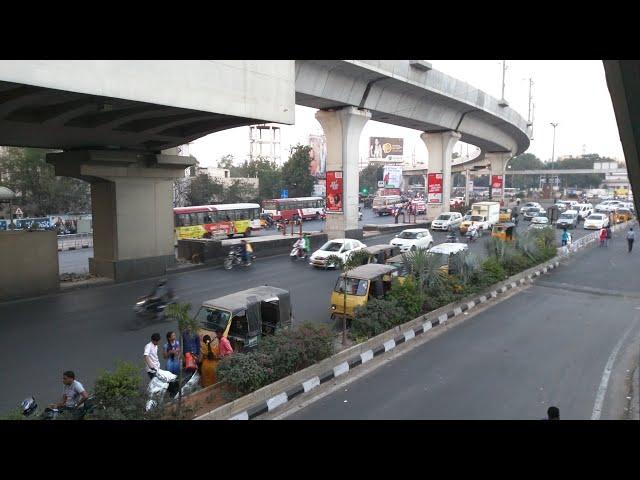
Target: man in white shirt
column 151, row 355
column 73, row 393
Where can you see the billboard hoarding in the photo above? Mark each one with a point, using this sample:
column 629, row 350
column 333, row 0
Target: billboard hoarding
column 386, row 147
column 334, row 191
column 434, row 188
column 392, row 177
column 318, row 154
column 496, row 184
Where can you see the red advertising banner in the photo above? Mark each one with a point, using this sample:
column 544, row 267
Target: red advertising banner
column 496, row 184
column 434, row 188
column 334, row 191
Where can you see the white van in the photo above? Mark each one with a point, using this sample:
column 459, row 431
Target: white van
column 583, row 209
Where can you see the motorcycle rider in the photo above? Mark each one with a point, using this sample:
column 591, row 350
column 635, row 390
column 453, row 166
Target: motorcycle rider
column 160, row 295
column 73, row 394
column 472, row 232
column 245, row 250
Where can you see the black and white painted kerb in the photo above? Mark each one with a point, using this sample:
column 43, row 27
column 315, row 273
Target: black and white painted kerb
column 347, row 365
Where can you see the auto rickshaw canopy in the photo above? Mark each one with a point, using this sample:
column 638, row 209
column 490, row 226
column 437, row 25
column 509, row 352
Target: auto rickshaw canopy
column 382, row 252
column 238, row 302
column 370, row 271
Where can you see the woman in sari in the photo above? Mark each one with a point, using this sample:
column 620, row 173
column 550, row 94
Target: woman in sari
column 210, row 354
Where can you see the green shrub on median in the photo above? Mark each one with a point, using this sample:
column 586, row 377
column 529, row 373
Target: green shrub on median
column 377, row 316
column 276, row 357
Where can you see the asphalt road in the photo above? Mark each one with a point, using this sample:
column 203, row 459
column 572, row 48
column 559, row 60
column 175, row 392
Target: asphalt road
column 547, row 345
column 85, row 330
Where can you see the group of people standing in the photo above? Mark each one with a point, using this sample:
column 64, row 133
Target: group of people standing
column 196, row 353
column 605, row 236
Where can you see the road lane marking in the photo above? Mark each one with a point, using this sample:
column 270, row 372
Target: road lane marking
column 602, row 389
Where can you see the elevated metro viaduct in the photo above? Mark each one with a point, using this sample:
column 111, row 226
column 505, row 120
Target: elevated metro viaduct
column 117, row 121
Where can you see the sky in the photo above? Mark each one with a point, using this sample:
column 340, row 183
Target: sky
column 572, row 93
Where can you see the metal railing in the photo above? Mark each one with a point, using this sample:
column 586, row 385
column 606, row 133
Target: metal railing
column 75, row 241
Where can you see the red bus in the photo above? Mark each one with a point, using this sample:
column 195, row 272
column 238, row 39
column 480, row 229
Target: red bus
column 288, row 208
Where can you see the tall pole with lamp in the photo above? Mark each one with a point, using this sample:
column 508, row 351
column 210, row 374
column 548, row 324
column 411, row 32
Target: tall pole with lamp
column 553, row 150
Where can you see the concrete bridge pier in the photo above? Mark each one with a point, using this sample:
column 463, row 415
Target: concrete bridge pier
column 132, row 200
column 440, row 147
column 342, row 129
column 497, row 164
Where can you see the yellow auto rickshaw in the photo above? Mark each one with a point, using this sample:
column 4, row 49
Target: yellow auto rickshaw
column 505, row 215
column 362, row 283
column 504, row 231
column 622, row 215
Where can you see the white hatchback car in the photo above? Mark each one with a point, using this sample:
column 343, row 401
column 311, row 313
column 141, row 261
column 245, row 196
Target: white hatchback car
column 341, row 247
column 596, row 221
column 413, row 239
column 446, row 221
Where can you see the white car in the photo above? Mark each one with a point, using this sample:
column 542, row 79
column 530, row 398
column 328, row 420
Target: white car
column 532, row 204
column 341, row 247
column 446, row 221
column 540, row 221
column 596, row 221
column 412, row 239
column 608, row 206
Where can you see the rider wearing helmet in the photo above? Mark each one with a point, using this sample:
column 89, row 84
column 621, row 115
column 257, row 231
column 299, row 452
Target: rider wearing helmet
column 161, row 293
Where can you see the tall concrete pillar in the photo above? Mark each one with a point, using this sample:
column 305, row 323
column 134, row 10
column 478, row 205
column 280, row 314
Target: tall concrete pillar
column 132, row 207
column 342, row 129
column 440, row 147
column 497, row 164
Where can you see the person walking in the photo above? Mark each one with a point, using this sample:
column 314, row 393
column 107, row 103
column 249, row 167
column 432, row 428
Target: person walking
column 565, row 237
column 603, row 236
column 608, row 229
column 630, row 237
column 151, row 356
column 171, row 352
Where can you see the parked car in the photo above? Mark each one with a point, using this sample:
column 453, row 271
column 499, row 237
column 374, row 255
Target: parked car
column 447, row 221
column 568, row 219
column 341, row 247
column 596, row 221
column 531, row 204
column 413, row 239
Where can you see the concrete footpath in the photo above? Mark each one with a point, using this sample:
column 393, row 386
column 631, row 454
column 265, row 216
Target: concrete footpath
column 571, row 341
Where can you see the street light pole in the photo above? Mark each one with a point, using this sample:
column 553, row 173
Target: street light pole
column 553, row 149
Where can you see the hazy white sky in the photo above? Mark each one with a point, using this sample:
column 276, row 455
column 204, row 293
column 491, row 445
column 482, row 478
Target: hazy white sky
column 572, row 93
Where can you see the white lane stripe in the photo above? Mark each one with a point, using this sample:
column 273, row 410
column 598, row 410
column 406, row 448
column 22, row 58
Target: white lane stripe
column 240, row 416
column 602, row 389
column 443, row 318
column 366, row 356
column 426, row 326
column 275, row 402
column 340, row 369
column 311, row 384
column 409, row 334
column 389, row 344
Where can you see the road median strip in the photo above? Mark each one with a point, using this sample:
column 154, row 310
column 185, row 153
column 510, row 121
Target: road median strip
column 284, row 390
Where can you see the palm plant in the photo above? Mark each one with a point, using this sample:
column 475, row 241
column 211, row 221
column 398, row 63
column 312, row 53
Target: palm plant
column 465, row 265
column 356, row 259
column 425, row 268
column 180, row 313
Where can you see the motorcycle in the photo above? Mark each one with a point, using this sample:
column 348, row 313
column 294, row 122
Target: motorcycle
column 472, row 236
column 298, row 252
column 235, row 259
column 30, row 408
column 149, row 309
column 165, row 382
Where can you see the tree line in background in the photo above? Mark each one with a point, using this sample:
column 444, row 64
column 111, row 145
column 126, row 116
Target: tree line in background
column 38, row 191
column 293, row 176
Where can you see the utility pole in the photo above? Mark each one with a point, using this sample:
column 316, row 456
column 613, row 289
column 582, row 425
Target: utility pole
column 503, row 102
column 529, row 119
column 553, row 150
